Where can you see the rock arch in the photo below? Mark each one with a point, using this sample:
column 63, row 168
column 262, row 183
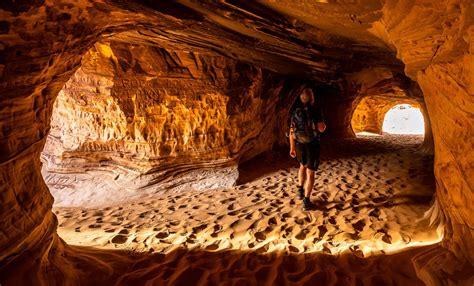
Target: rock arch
column 42, row 43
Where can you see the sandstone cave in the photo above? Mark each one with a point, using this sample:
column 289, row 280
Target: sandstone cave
column 143, row 142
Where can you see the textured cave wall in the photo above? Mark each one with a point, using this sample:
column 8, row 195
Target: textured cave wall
column 360, row 101
column 150, row 110
column 448, row 89
column 370, row 113
column 439, row 55
column 33, row 70
column 41, row 44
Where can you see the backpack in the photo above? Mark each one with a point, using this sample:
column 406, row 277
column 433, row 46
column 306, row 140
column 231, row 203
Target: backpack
column 303, row 125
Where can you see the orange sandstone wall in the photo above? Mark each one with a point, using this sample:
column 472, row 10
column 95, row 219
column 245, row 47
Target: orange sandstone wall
column 148, row 109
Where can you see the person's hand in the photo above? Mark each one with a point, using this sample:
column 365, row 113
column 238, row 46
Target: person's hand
column 293, row 153
column 321, row 127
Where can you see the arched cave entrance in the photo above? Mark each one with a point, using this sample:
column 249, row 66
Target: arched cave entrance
column 382, row 115
column 404, row 119
column 254, row 229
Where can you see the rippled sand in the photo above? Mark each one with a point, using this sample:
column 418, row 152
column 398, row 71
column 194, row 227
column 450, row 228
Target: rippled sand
column 370, row 195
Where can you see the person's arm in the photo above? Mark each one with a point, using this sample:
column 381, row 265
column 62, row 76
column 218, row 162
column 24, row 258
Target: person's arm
column 292, row 143
column 321, row 126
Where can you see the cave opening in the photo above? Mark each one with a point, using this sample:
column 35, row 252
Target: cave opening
column 150, row 118
column 382, row 115
column 404, row 119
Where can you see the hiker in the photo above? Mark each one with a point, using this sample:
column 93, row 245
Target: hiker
column 306, row 123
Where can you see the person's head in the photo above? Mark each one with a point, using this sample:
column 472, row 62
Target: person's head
column 307, row 96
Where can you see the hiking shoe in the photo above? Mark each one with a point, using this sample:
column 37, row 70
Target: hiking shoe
column 300, row 192
column 307, row 204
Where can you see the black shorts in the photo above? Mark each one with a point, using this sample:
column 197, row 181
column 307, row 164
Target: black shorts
column 308, row 154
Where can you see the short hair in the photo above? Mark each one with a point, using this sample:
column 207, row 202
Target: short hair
column 309, row 91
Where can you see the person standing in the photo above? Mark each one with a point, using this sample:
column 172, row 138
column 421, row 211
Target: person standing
column 306, row 124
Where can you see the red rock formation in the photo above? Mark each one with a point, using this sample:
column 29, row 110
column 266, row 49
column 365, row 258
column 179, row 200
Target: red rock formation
column 144, row 113
column 42, row 42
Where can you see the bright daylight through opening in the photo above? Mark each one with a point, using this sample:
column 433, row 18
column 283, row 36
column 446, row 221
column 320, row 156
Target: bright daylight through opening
column 404, row 119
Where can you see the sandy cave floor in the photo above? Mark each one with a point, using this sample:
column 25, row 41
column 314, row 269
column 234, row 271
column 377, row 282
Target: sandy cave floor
column 370, row 195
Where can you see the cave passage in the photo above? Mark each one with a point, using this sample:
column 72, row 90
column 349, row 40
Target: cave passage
column 371, row 194
column 132, row 161
column 404, row 119
column 144, row 142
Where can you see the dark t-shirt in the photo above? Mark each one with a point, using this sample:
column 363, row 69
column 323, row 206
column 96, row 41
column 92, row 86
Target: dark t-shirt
column 314, row 113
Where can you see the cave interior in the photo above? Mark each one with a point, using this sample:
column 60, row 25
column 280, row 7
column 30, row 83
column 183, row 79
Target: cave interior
column 121, row 109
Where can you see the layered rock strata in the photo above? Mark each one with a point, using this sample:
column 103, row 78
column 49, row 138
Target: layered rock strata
column 145, row 115
column 42, row 43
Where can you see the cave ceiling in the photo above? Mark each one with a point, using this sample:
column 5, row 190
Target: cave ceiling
column 283, row 37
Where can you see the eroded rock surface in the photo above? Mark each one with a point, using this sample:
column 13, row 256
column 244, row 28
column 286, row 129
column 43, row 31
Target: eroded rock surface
column 142, row 115
column 42, row 44
column 370, row 112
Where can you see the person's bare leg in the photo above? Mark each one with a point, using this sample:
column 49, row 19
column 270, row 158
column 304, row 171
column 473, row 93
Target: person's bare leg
column 308, row 187
column 301, row 175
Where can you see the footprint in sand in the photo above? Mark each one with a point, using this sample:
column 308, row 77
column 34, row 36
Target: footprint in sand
column 302, row 234
column 233, row 213
column 359, row 225
column 387, row 238
column 272, row 221
column 299, row 221
column 378, row 200
column 292, row 248
column 162, row 235
column 375, row 213
column 119, row 239
column 324, row 196
column 217, row 230
column 249, row 216
column 270, row 188
column 260, row 236
column 200, row 228
column 213, row 246
column 322, row 231
column 356, row 250
column 326, row 249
